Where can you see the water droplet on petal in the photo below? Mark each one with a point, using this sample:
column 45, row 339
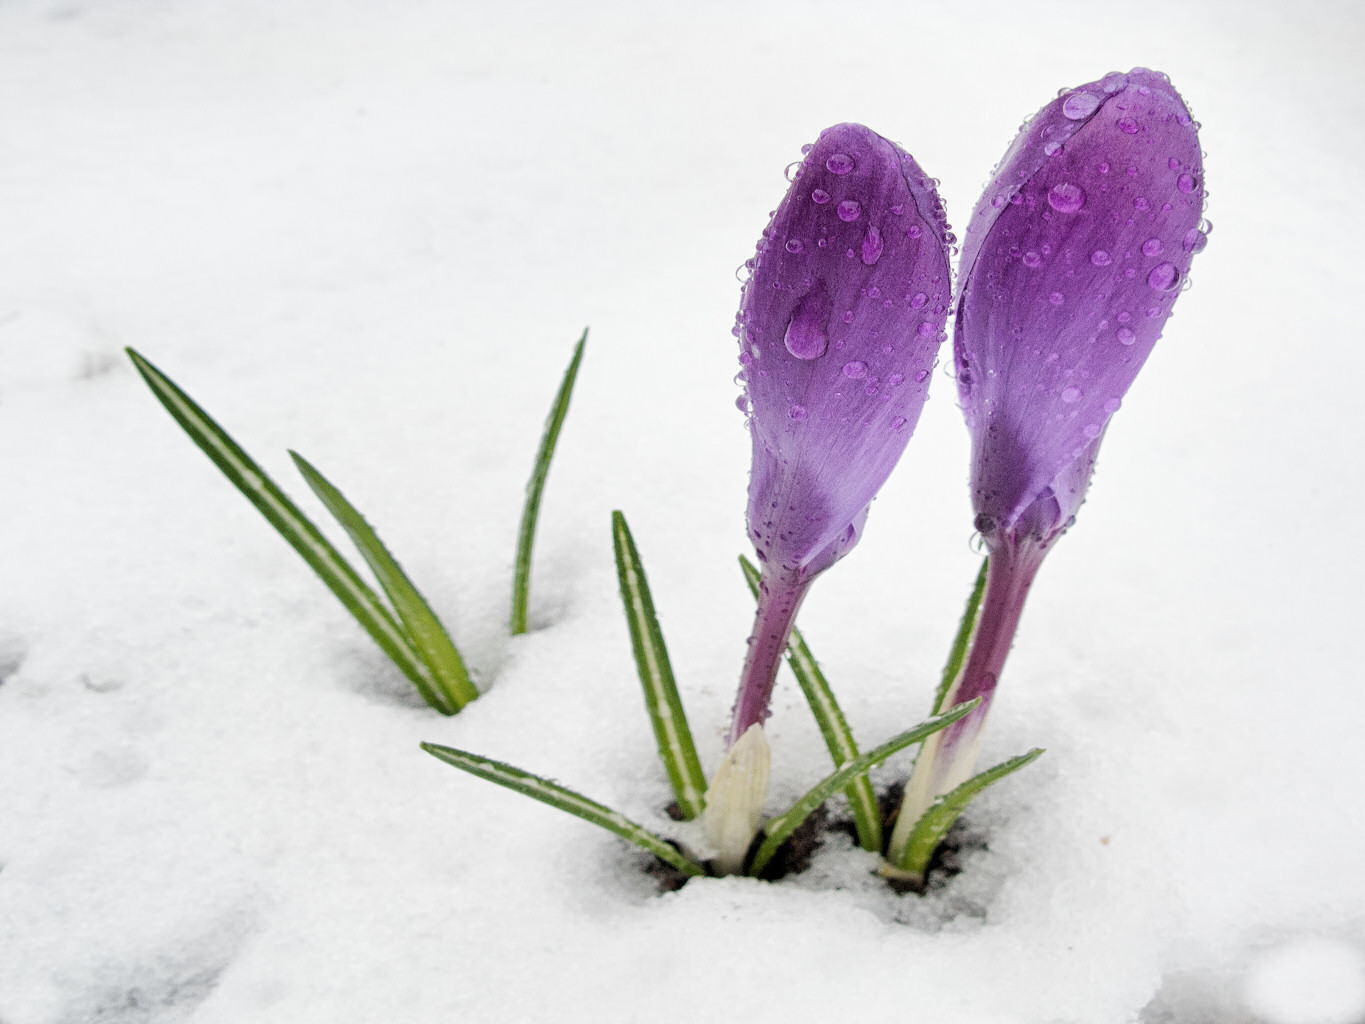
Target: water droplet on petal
column 807, row 335
column 1127, row 125
column 921, row 376
column 1032, row 260
column 1100, row 258
column 839, row 163
column 856, row 369
column 1056, row 298
column 898, row 422
column 742, row 403
column 795, row 246
column 914, row 231
column 1186, row 183
column 849, row 210
column 1066, row 197
column 848, row 316
column 1164, row 277
column 793, row 170
column 819, row 196
column 872, row 246
column 1079, row 105
column 897, row 210
column 798, row 412
column 1052, row 148
column 1111, row 405
column 1194, row 241
column 1114, row 81
column 1152, row 247
column 895, row 379
column 918, row 300
column 1173, row 164
column 1125, row 336
column 1070, row 395
column 926, row 330
column 1092, row 430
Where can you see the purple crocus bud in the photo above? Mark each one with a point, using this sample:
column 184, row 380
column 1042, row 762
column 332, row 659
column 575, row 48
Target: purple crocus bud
column 1073, row 259
column 839, row 325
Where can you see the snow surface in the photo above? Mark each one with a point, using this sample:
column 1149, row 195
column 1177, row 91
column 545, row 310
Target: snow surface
column 372, row 232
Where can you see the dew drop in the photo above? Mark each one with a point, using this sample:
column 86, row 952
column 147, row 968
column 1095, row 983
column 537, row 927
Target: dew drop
column 1080, row 105
column 1173, row 164
column 793, row 170
column 1092, row 430
column 926, row 330
column 1164, row 277
column 1111, row 405
column 872, row 246
column 855, row 369
column 807, row 335
column 898, row 423
column 1066, row 197
column 819, row 196
column 897, row 210
column 1052, row 148
column 849, row 210
column 1125, row 336
column 1100, row 258
column 918, row 300
column 1140, row 203
column 1128, row 126
column 848, row 316
column 742, row 403
column 1114, row 81
column 798, row 412
column 1103, row 168
column 1056, row 298
column 1186, row 183
column 839, row 163
column 895, row 379
column 1071, row 395
column 1194, row 241
column 914, row 231
column 1032, row 260
column 795, row 246
column 921, row 376
column 1152, row 247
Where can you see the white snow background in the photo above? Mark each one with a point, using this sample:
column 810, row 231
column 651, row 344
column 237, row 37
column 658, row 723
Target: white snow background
column 372, row 232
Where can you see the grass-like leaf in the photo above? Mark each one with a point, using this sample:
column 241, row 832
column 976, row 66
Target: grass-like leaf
column 555, row 795
column 296, row 528
column 779, row 829
column 666, row 715
column 432, row 641
column 935, row 822
column 862, row 800
column 526, row 536
column 958, row 653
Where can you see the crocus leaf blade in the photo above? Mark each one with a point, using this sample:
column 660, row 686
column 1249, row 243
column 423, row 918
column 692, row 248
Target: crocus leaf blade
column 526, row 535
column 430, row 638
column 958, row 653
column 564, row 799
column 779, row 829
column 295, row 527
column 935, row 822
column 666, row 714
column 834, row 728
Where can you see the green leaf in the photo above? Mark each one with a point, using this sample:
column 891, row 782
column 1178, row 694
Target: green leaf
column 433, row 643
column 296, row 528
column 557, row 796
column 935, row 822
column 779, row 829
column 862, row 800
column 958, row 653
column 666, row 715
column 521, row 578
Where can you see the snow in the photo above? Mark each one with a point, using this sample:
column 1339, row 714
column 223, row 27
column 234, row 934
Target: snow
column 373, row 233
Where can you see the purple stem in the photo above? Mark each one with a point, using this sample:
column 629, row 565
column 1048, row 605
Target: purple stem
column 779, row 598
column 1009, row 575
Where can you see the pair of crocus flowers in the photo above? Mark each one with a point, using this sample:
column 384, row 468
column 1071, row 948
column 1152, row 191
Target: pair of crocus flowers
column 1070, row 266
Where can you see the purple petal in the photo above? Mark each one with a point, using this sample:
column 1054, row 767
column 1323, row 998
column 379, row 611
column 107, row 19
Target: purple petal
column 839, row 327
column 1072, row 262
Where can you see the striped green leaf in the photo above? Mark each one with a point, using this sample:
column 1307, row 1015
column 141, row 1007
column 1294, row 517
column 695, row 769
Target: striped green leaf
column 958, row 654
column 430, row 638
column 666, row 715
column 526, row 536
column 555, row 795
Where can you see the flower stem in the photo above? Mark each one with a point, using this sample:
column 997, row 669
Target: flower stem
column 948, row 758
column 779, row 598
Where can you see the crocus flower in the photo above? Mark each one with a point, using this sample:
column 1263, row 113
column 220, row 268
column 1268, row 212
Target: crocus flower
column 839, row 327
column 1073, row 259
